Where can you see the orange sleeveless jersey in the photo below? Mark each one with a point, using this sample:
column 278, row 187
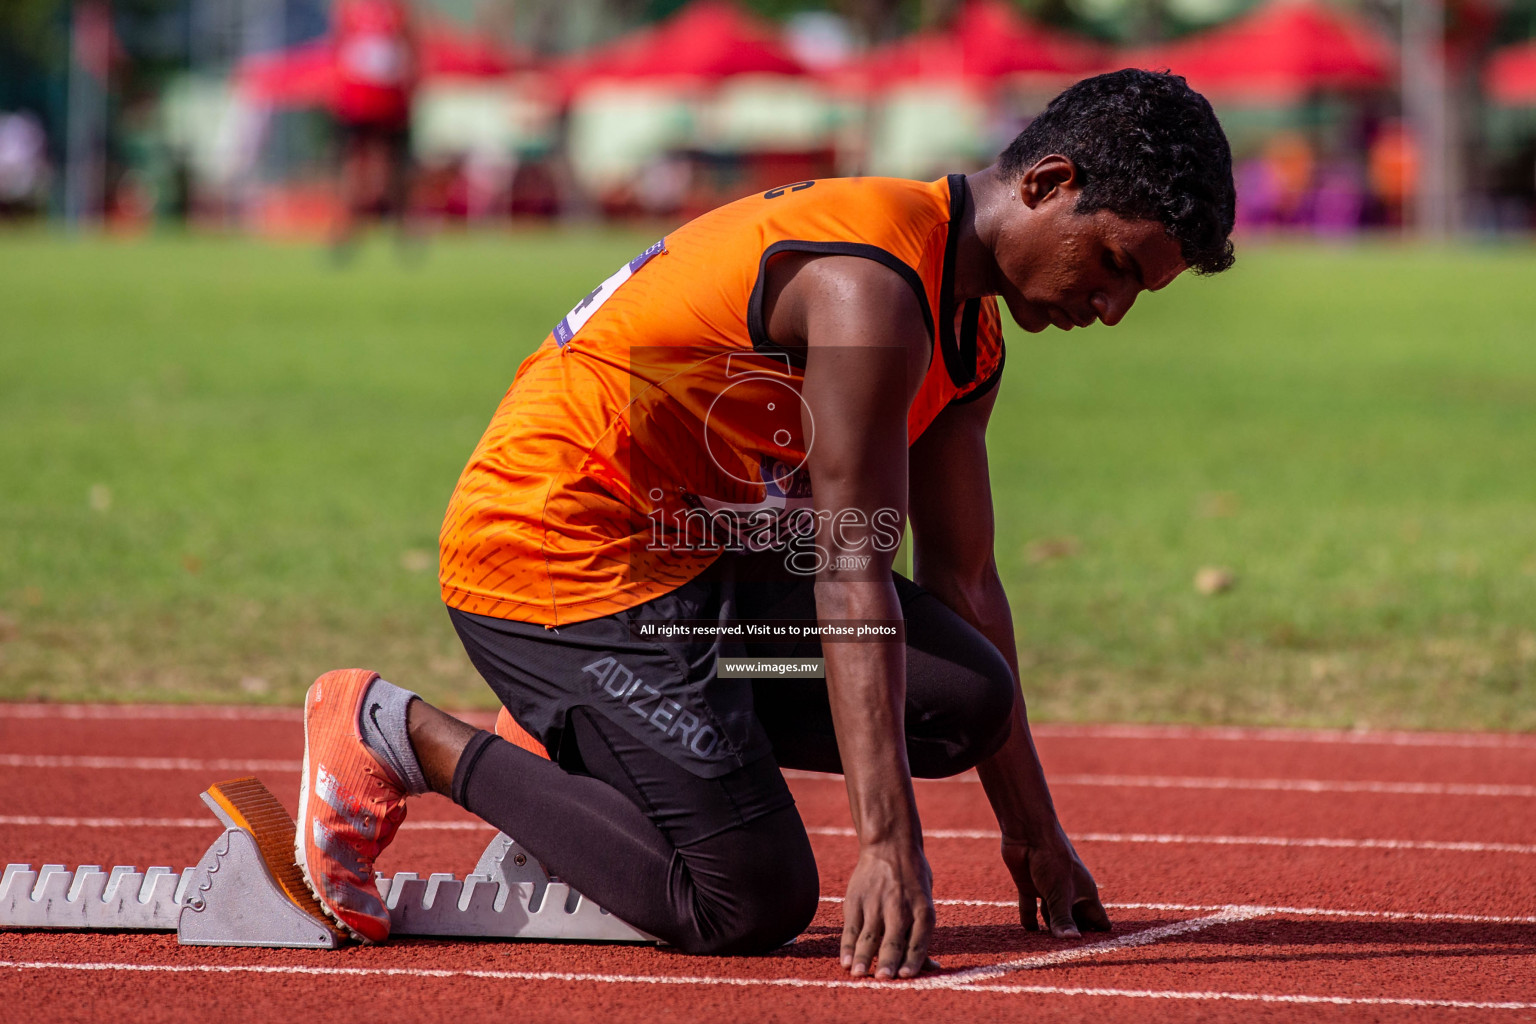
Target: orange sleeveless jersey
column 660, row 395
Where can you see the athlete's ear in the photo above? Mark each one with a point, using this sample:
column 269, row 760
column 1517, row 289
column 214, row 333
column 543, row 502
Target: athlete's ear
column 1044, row 177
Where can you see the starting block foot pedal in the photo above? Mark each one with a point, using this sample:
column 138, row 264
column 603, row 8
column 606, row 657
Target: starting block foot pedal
column 247, row 890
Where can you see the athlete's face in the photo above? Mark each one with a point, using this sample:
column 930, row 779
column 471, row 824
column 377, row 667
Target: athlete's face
column 1069, row 269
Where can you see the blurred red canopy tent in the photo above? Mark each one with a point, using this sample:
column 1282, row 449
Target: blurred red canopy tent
column 708, row 40
column 305, row 75
column 989, row 40
column 1511, row 75
column 1281, row 51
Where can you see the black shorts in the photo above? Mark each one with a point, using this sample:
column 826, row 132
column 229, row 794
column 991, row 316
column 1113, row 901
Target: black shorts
column 664, row 693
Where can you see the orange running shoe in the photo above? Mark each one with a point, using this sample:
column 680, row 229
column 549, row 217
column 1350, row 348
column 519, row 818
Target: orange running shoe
column 350, row 806
column 508, row 729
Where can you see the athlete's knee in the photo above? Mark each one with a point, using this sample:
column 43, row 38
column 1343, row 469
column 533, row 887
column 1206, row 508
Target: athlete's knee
column 972, row 718
column 767, row 898
column 992, row 703
column 767, row 918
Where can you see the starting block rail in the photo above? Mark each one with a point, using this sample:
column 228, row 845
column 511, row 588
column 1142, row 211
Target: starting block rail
column 246, row 891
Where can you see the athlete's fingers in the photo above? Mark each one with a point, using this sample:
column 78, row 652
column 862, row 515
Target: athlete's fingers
column 853, row 923
column 898, row 926
column 1090, row 915
column 1058, row 912
column 917, row 944
column 1027, row 912
column 868, row 944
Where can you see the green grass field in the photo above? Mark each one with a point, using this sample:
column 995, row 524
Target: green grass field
column 223, row 466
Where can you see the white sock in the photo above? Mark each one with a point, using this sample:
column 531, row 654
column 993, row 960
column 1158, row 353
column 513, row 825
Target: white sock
column 382, row 724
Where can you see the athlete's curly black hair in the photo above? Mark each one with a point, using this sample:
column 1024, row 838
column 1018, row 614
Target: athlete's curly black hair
column 1147, row 147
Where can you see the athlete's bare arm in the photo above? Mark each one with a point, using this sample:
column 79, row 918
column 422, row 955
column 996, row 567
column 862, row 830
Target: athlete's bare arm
column 950, row 485
column 866, row 348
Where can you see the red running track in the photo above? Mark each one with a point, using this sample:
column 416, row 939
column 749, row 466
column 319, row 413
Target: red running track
column 1252, row 875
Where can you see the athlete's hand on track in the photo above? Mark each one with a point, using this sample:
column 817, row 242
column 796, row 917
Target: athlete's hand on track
column 888, row 913
column 1052, row 875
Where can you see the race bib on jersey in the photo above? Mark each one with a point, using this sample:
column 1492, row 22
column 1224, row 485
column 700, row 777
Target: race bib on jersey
column 573, row 321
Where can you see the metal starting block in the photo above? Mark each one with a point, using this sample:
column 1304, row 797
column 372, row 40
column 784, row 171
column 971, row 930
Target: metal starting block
column 247, row 891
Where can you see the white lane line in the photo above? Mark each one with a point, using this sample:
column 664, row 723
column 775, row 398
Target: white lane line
column 1261, row 911
column 1064, row 730
column 1227, row 915
column 1295, row 785
column 1188, row 840
column 1200, row 782
column 149, row 764
column 41, row 821
column 1242, row 734
column 180, row 712
column 679, row 979
column 1375, row 915
column 192, row 764
column 153, row 712
column 53, row 821
column 1246, row 997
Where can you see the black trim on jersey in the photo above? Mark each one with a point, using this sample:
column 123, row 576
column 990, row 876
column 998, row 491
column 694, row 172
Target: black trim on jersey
column 758, row 331
column 959, row 356
column 970, row 323
column 987, row 385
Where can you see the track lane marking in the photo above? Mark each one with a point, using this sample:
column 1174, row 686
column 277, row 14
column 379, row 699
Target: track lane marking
column 1155, row 839
column 150, row 764
column 1266, row 911
column 1295, row 785
column 181, row 712
column 1327, row 737
column 1174, row 839
column 1145, row 937
column 681, row 979
column 1261, row 911
column 191, row 764
column 1210, row 782
column 153, row 712
column 43, row 821
column 1063, row 730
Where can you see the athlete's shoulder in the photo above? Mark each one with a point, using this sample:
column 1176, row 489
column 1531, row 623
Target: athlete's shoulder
column 853, row 194
column 892, row 214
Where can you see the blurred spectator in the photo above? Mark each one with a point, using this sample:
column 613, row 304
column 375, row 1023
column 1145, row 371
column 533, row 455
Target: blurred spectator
column 1393, row 170
column 377, row 68
column 23, row 164
column 1338, row 204
column 1291, row 164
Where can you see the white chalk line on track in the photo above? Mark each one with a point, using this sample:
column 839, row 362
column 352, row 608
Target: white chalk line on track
column 180, row 712
column 1145, row 937
column 191, row 764
column 149, row 764
column 1295, row 785
column 1260, row 910
column 152, row 712
column 1249, row 734
column 1155, row 839
column 1201, row 782
column 1063, row 730
column 813, row 983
